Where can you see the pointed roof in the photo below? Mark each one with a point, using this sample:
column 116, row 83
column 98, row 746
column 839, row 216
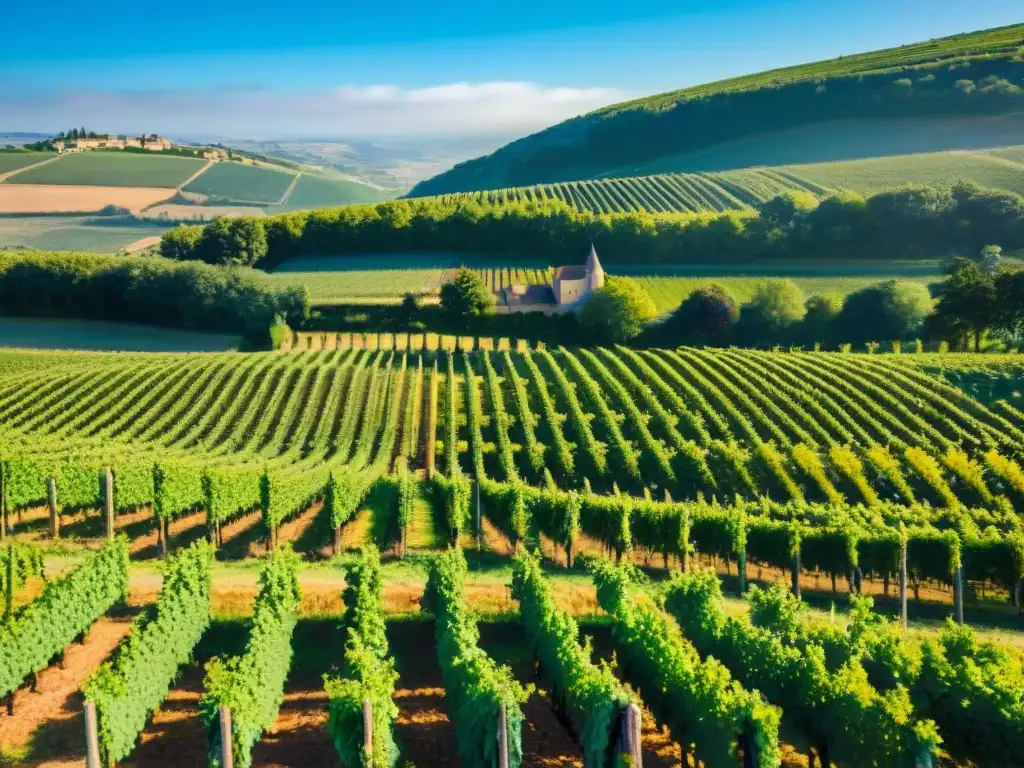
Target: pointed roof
column 593, row 265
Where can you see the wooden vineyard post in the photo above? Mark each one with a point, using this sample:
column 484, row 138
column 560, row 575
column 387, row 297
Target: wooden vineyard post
column 502, row 738
column 629, row 745
column 51, row 485
column 958, row 595
column 337, row 540
column 227, row 753
column 368, row 728
column 108, row 503
column 92, row 740
column 903, row 584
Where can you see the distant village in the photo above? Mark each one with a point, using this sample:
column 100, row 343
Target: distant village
column 82, row 141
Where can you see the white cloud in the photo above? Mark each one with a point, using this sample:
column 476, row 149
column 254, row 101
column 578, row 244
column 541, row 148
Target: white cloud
column 348, row 110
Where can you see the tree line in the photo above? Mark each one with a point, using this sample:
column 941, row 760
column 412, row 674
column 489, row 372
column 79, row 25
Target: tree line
column 149, row 290
column 912, row 222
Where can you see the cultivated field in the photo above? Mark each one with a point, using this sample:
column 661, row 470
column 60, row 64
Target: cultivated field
column 48, row 333
column 242, row 183
column 33, row 198
column 814, row 471
column 199, row 213
column 748, row 188
column 385, row 278
column 12, row 161
column 112, row 169
column 321, row 192
column 71, row 233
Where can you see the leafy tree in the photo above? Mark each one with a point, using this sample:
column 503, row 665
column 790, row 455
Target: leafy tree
column 887, row 311
column 820, row 317
column 782, row 211
column 705, row 317
column 776, row 306
column 968, row 300
column 466, row 296
column 240, row 241
column 617, row 312
column 178, row 243
column 1010, row 305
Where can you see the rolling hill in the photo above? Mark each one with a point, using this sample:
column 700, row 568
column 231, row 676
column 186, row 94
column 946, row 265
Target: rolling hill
column 698, row 192
column 944, row 94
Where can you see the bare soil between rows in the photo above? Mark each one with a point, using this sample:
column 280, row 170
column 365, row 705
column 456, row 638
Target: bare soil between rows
column 48, row 722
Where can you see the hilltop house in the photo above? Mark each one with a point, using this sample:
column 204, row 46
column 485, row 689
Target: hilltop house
column 569, row 288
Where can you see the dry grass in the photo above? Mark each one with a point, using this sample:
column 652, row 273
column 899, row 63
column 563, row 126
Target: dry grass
column 42, row 198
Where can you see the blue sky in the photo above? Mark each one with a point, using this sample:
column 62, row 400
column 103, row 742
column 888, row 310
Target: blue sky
column 323, row 67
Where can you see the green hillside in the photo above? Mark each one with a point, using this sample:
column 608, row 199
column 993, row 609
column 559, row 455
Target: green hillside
column 1001, row 169
column 971, row 77
column 321, row 192
column 112, row 169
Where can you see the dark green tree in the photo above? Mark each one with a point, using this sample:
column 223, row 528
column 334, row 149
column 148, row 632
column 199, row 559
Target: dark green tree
column 782, row 211
column 887, row 311
column 820, row 318
column 967, row 301
column 466, row 296
column 232, row 241
column 705, row 317
column 1010, row 305
column 409, row 309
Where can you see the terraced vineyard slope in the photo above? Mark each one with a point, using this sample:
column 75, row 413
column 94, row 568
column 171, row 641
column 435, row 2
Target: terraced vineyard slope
column 743, row 189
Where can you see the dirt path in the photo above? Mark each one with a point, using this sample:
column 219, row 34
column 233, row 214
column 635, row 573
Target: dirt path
column 243, row 537
column 299, row 736
column 296, row 529
column 47, row 161
column 196, row 175
column 546, row 741
column 144, row 242
column 48, row 724
column 425, row 735
column 175, row 736
column 291, row 188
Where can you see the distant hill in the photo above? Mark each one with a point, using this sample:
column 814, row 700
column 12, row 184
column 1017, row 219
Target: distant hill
column 959, row 83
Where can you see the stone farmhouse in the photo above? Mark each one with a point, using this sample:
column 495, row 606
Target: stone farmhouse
column 570, row 287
